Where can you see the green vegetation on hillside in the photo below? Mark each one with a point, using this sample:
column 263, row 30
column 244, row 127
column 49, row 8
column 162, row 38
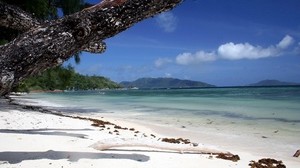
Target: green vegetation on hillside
column 64, row 78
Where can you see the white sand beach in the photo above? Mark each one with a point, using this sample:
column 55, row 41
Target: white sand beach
column 34, row 139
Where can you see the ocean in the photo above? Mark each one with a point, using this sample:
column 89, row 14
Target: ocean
column 267, row 115
column 277, row 104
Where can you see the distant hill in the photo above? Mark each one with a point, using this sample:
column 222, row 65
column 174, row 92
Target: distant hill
column 273, row 83
column 163, row 83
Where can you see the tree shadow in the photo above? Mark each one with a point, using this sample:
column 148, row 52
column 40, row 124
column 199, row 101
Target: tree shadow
column 57, row 132
column 17, row 157
column 5, row 105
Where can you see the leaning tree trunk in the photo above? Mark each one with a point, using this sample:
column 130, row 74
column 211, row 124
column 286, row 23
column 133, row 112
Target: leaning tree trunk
column 45, row 45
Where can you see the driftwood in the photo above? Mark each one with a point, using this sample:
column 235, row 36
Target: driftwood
column 106, row 144
column 48, row 44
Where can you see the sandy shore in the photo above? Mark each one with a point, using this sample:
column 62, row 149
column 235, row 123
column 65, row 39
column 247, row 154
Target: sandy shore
column 34, row 139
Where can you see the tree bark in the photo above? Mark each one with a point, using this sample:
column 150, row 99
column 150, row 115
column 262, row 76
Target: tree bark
column 49, row 44
column 14, row 18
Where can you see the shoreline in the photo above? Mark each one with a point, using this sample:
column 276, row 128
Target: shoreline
column 267, row 144
column 158, row 131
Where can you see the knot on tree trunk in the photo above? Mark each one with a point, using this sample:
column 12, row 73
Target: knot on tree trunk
column 82, row 30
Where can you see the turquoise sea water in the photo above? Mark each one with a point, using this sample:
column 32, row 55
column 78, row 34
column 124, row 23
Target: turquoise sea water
column 265, row 107
column 277, row 104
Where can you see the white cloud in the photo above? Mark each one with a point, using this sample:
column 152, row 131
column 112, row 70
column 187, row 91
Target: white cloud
column 161, row 62
column 167, row 21
column 233, row 51
column 200, row 56
column 285, row 42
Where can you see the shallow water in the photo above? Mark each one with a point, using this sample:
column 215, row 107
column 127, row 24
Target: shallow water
column 264, row 108
column 276, row 104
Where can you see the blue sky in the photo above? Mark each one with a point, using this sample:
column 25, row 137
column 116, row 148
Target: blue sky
column 225, row 43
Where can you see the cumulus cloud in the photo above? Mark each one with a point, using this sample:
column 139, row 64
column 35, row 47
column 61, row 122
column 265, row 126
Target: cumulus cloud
column 200, row 56
column 167, row 21
column 233, row 51
column 241, row 51
column 161, row 62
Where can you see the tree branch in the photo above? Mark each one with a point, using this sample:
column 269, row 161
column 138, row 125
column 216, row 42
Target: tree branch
column 15, row 18
column 51, row 43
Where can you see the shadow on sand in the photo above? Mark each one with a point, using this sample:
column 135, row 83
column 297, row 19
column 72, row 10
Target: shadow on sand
column 17, row 157
column 57, row 132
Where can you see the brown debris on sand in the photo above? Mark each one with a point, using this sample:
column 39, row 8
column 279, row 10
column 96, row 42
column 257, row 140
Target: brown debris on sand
column 119, row 127
column 297, row 153
column 228, row 156
column 267, row 163
column 98, row 123
column 176, row 141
